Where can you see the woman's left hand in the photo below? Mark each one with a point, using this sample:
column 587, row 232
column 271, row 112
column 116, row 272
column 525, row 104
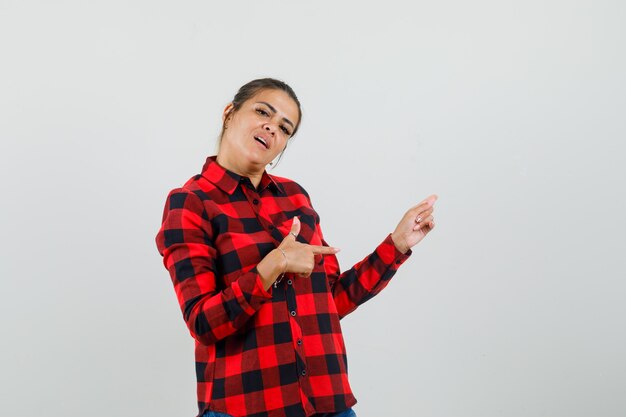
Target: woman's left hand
column 415, row 225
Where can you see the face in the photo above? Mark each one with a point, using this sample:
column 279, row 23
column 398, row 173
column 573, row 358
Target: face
column 259, row 130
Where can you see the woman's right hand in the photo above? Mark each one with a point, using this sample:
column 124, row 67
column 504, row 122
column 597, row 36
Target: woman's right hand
column 298, row 258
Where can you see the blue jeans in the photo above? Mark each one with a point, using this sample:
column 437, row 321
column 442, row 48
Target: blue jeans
column 348, row 413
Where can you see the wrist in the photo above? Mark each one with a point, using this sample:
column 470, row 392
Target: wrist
column 271, row 267
column 283, row 263
column 400, row 245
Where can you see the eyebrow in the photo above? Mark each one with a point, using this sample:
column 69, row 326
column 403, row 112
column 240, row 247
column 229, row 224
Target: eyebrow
column 274, row 110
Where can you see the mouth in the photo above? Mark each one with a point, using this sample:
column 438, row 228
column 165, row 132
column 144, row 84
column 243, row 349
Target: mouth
column 262, row 141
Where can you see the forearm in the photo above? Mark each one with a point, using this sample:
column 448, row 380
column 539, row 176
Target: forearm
column 214, row 315
column 368, row 277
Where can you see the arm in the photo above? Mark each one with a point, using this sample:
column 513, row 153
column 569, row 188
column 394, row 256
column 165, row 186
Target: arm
column 369, row 276
column 366, row 278
column 185, row 241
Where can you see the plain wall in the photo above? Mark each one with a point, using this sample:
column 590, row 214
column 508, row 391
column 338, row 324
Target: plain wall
column 512, row 112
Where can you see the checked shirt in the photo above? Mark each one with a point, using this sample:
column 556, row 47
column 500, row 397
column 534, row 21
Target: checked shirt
column 274, row 353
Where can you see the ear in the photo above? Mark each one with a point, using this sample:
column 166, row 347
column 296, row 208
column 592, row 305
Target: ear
column 227, row 111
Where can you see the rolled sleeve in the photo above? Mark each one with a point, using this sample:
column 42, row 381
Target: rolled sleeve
column 185, row 240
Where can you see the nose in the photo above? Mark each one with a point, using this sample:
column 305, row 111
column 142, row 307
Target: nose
column 270, row 128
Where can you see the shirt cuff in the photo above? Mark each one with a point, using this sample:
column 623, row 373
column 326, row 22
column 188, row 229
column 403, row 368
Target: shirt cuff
column 258, row 288
column 249, row 292
column 390, row 255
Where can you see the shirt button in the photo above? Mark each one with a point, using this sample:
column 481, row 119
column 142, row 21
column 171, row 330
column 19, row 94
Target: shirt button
column 293, row 313
column 303, row 372
column 289, row 282
column 255, row 201
column 398, row 262
column 299, row 342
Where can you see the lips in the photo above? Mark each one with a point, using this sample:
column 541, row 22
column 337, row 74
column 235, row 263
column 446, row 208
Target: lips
column 263, row 141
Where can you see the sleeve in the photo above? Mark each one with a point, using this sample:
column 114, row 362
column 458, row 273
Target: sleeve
column 366, row 278
column 185, row 240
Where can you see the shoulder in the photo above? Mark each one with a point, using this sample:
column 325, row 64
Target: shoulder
column 196, row 188
column 291, row 187
column 181, row 200
column 190, row 195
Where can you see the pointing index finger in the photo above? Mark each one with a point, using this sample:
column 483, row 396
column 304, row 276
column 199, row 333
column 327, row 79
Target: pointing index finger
column 324, row 250
column 427, row 202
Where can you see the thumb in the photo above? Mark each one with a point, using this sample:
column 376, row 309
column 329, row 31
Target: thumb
column 295, row 226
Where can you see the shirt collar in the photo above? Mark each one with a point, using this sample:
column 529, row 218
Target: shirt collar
column 227, row 180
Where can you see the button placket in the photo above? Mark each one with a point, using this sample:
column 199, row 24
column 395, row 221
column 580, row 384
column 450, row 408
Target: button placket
column 266, row 221
column 257, row 207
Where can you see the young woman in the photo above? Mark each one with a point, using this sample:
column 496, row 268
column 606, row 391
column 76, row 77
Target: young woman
column 258, row 286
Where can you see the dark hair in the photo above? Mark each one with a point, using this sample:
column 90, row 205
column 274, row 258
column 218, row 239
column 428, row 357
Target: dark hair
column 250, row 89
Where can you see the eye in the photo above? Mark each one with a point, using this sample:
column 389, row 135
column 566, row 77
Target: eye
column 262, row 112
column 285, row 130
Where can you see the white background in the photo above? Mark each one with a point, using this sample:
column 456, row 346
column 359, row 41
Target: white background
column 512, row 112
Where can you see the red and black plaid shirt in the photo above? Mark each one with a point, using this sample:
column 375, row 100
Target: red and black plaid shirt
column 275, row 353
